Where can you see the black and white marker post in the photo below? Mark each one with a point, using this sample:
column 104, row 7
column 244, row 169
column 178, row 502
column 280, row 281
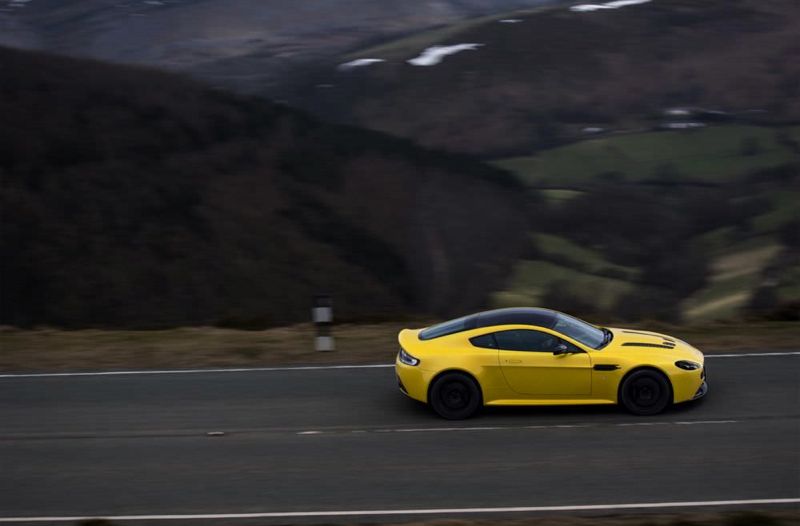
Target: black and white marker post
column 322, row 315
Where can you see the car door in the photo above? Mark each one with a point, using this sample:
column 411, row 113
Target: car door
column 530, row 367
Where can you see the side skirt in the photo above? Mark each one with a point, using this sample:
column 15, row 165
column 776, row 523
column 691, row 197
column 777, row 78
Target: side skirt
column 578, row 401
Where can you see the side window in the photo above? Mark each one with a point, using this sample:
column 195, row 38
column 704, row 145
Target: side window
column 526, row 340
column 571, row 348
column 486, row 341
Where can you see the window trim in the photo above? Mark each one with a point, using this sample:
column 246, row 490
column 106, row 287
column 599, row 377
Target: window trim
column 497, row 328
column 557, row 337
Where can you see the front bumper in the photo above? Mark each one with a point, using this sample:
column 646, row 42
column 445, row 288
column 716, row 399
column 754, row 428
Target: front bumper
column 702, row 391
column 689, row 385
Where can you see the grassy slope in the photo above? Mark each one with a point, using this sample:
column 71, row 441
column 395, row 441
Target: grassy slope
column 736, row 274
column 705, row 155
column 530, row 279
column 555, row 247
column 711, row 155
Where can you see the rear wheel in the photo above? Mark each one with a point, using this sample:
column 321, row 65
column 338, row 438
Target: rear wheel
column 645, row 392
column 455, row 396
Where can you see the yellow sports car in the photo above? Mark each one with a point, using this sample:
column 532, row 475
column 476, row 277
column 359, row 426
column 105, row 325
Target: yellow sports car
column 532, row 356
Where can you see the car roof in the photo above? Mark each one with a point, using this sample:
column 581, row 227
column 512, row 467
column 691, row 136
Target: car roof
column 517, row 316
column 492, row 318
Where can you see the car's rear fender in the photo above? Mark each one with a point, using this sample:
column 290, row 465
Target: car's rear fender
column 457, row 371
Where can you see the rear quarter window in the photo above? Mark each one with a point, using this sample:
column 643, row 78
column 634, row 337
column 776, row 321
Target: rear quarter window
column 485, row 341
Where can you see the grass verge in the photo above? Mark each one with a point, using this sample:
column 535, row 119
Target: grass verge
column 59, row 350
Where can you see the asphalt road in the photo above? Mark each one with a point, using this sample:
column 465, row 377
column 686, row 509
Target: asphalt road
column 346, row 439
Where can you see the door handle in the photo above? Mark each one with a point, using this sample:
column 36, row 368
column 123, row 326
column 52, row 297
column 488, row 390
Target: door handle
column 513, row 361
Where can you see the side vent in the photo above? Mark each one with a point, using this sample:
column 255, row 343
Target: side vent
column 606, row 367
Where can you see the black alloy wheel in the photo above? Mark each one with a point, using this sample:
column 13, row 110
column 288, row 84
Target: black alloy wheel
column 645, row 392
column 455, row 396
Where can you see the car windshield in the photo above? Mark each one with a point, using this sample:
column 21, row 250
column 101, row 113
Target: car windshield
column 581, row 331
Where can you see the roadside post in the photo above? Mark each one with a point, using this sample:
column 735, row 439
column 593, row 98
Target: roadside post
column 322, row 316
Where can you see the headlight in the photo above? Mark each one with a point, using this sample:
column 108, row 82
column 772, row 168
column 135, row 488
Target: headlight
column 686, row 365
column 406, row 358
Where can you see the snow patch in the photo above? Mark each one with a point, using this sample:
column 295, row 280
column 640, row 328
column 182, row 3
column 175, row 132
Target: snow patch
column 435, row 54
column 359, row 63
column 582, row 8
column 677, row 112
column 510, row 21
column 683, row 125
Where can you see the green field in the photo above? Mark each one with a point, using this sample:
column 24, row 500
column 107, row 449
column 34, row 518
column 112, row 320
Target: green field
column 788, row 288
column 725, row 157
column 530, row 280
column 712, row 154
column 559, row 195
column 784, row 206
column 561, row 249
column 737, row 271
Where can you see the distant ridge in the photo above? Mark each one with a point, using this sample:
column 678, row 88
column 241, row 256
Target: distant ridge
column 557, row 72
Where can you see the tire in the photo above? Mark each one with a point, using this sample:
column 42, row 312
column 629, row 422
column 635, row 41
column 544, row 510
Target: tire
column 455, row 396
column 645, row 392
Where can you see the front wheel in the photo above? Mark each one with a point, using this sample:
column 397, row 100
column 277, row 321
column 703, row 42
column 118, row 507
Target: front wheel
column 455, row 396
column 645, row 393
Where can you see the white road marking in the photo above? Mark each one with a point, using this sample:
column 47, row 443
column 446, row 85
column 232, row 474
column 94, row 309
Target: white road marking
column 510, row 428
column 691, row 423
column 428, row 511
column 446, row 429
column 631, row 424
column 298, row 368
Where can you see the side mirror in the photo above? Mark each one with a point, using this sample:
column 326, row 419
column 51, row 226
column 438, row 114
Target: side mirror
column 560, row 349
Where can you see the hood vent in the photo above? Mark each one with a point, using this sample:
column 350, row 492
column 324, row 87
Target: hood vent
column 665, row 345
column 653, row 334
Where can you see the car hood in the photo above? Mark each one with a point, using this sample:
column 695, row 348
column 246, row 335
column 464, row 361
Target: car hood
column 636, row 340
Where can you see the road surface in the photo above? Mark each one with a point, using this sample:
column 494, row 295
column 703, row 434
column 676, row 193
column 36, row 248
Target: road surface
column 344, row 439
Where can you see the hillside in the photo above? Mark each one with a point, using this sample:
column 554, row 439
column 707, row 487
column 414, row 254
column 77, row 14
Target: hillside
column 662, row 136
column 557, row 74
column 137, row 198
column 244, row 45
column 692, row 224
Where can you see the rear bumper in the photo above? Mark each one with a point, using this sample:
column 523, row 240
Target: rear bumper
column 412, row 381
column 401, row 386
